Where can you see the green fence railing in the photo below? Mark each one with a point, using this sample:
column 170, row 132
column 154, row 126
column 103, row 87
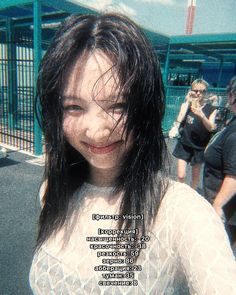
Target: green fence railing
column 17, row 91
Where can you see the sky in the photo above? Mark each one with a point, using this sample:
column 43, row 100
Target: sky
column 169, row 16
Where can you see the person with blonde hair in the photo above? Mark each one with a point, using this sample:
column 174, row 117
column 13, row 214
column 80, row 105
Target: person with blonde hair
column 196, row 120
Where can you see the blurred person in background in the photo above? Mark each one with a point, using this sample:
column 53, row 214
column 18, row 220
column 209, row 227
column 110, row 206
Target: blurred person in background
column 219, row 181
column 194, row 124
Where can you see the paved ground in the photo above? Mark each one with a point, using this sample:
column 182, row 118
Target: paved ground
column 19, row 182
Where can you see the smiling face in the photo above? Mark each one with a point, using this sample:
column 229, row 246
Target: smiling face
column 94, row 114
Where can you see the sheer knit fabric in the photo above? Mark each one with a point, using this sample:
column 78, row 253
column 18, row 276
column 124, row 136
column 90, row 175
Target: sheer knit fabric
column 188, row 251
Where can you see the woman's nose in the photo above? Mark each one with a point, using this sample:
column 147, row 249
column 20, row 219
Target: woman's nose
column 98, row 128
column 98, row 134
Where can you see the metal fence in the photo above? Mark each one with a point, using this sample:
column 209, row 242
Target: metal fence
column 17, row 91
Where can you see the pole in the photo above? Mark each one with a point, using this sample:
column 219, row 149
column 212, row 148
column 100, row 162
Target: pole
column 37, row 59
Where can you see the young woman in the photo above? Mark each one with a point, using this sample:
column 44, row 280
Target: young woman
column 220, row 167
column 197, row 119
column 111, row 221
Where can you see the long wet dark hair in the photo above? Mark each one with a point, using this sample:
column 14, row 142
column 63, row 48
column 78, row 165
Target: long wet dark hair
column 142, row 178
column 231, row 89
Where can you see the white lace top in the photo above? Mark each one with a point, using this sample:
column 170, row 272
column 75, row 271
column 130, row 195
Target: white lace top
column 187, row 244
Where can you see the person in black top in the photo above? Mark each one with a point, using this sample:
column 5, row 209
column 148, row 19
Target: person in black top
column 219, row 181
column 196, row 119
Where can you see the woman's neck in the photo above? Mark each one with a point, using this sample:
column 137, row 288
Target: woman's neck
column 102, row 177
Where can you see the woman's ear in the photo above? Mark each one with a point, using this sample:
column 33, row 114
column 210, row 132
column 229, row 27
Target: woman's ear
column 42, row 191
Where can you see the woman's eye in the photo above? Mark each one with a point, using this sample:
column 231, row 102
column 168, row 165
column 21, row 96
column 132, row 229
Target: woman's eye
column 118, row 108
column 72, row 108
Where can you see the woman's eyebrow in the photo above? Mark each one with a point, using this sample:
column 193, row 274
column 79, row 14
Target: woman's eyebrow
column 71, row 98
column 109, row 99
column 112, row 99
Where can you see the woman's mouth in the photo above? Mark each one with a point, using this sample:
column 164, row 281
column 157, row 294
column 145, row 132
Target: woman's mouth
column 103, row 149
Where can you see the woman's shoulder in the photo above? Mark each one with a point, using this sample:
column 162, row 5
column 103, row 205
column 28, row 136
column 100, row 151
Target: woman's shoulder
column 178, row 192
column 180, row 200
column 186, row 215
